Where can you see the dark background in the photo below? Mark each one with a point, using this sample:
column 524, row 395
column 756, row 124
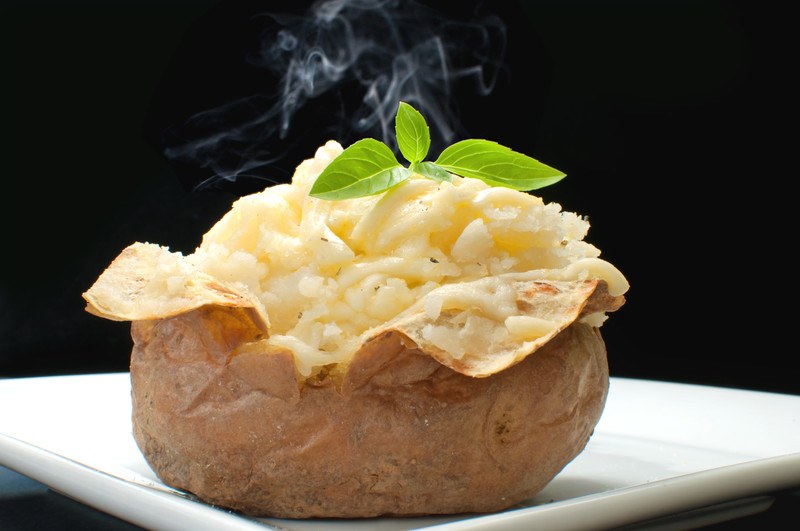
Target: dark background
column 671, row 119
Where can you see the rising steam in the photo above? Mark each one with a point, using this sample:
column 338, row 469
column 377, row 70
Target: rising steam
column 363, row 55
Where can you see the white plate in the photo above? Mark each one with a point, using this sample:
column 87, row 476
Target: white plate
column 659, row 449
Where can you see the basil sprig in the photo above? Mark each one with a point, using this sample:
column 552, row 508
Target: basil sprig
column 369, row 167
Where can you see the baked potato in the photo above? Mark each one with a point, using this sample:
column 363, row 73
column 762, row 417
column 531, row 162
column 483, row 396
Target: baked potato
column 433, row 349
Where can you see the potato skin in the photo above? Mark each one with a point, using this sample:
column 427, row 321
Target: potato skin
column 217, row 414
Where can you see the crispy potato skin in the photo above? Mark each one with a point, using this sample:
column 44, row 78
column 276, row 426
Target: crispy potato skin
column 217, row 414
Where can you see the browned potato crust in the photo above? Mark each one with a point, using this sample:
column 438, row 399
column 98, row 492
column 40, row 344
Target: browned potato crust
column 217, row 414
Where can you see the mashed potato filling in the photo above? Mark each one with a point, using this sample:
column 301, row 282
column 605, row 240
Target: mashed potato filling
column 477, row 276
column 329, row 272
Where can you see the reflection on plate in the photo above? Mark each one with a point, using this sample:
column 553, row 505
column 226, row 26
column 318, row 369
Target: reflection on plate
column 659, row 449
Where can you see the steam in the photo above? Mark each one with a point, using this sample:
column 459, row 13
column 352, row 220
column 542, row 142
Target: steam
column 364, row 57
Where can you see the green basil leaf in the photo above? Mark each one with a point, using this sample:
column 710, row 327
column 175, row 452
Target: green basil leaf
column 497, row 165
column 367, row 167
column 432, row 171
column 413, row 135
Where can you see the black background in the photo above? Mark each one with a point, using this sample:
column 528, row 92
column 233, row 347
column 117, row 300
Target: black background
column 671, row 119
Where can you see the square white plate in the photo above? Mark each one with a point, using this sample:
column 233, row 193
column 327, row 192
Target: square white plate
column 659, row 449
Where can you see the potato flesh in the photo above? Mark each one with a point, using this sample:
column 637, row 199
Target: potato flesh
column 330, row 272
